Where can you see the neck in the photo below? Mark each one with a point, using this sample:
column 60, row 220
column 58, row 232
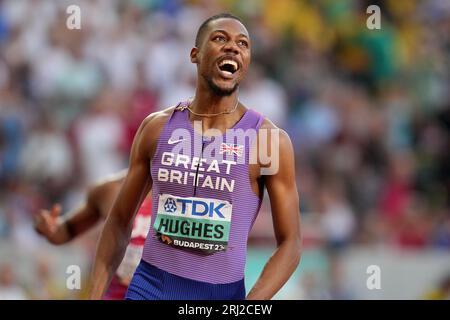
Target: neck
column 208, row 102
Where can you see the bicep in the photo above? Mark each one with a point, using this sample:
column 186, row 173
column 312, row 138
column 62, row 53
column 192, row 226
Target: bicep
column 282, row 189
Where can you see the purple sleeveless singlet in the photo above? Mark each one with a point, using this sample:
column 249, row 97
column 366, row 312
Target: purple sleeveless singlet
column 220, row 186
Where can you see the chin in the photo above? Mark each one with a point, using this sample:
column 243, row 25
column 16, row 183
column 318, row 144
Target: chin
column 222, row 90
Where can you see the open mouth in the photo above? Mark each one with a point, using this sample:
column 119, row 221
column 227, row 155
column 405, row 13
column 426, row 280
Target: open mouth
column 228, row 67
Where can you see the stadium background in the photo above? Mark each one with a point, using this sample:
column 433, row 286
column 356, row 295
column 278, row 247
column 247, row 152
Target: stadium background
column 368, row 112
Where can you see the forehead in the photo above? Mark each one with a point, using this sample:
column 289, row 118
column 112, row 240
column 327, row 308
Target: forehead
column 231, row 26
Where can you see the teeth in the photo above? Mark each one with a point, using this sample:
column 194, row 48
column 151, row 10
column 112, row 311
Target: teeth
column 233, row 63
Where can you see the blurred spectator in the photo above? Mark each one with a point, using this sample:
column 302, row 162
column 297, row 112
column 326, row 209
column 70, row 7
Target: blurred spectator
column 310, row 288
column 441, row 233
column 339, row 290
column 44, row 287
column 11, row 136
column 9, row 289
column 265, row 96
column 337, row 218
column 99, row 134
column 63, row 69
column 398, row 187
column 441, row 292
column 47, row 155
column 413, row 229
column 317, row 121
column 143, row 101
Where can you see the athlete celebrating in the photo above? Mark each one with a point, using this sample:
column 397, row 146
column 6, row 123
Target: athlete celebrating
column 206, row 193
column 97, row 205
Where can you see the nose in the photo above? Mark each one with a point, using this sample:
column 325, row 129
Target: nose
column 230, row 46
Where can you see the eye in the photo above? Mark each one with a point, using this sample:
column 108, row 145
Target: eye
column 243, row 43
column 219, row 38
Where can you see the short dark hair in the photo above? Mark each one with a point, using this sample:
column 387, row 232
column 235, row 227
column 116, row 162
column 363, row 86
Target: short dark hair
column 205, row 23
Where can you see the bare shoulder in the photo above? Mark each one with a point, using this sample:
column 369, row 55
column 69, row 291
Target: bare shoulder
column 150, row 130
column 272, row 130
column 156, row 120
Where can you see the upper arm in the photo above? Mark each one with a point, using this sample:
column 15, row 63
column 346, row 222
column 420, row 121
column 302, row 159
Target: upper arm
column 282, row 189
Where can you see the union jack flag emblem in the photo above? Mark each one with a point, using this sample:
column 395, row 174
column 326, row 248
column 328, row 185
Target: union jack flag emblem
column 230, row 149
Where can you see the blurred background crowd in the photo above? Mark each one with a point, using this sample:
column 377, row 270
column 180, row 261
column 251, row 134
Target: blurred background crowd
column 368, row 112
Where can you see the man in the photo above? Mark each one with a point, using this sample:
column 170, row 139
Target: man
column 97, row 205
column 204, row 206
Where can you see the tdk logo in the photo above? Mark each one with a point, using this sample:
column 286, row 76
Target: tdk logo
column 170, row 205
column 201, row 208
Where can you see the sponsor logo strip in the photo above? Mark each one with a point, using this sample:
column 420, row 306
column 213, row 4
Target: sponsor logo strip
column 198, row 208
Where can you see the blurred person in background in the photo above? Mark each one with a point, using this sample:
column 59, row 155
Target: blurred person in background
column 143, row 101
column 45, row 287
column 312, row 288
column 13, row 123
column 99, row 135
column 338, row 288
column 441, row 232
column 99, row 200
column 47, row 157
column 9, row 289
column 442, row 290
column 266, row 95
column 337, row 218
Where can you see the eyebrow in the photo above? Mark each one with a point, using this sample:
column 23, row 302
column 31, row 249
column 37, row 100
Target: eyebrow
column 223, row 31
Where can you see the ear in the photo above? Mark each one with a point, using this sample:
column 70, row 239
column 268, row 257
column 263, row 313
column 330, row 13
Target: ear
column 194, row 55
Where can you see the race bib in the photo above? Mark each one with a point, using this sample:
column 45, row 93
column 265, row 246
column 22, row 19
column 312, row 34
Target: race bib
column 201, row 224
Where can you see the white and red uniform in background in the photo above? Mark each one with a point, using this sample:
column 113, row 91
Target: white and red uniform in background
column 124, row 273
